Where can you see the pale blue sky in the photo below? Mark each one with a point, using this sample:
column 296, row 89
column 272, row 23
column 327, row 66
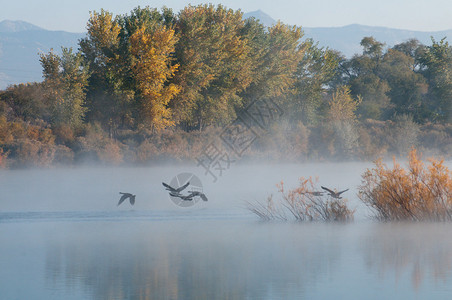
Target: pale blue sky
column 422, row 15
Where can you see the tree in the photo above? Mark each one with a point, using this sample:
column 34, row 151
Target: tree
column 412, row 48
column 313, row 77
column 25, row 101
column 407, row 88
column 132, row 63
column 436, row 66
column 107, row 99
column 342, row 120
column 214, row 66
column 361, row 74
column 281, row 54
column 372, row 48
column 151, row 67
column 65, row 80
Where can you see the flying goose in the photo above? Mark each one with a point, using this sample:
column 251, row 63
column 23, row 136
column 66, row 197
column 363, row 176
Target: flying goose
column 125, row 196
column 174, row 190
column 196, row 193
column 334, row 194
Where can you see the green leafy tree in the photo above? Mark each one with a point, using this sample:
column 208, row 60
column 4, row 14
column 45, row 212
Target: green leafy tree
column 275, row 54
column 313, row 80
column 361, row 74
column 407, row 88
column 436, row 66
column 213, row 65
column 65, row 80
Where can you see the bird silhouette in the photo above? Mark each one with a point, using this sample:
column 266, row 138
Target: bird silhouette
column 125, row 196
column 190, row 196
column 334, row 194
column 186, row 198
column 196, row 193
column 175, row 190
column 183, row 197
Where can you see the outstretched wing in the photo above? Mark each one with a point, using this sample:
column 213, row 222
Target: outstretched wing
column 342, row 192
column 203, row 197
column 180, row 189
column 197, row 193
column 187, row 198
column 123, row 197
column 169, row 188
column 132, row 200
column 175, row 194
column 327, row 189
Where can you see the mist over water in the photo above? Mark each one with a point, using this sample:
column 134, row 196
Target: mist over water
column 62, row 236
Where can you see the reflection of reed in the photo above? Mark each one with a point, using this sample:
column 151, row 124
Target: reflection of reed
column 193, row 262
column 423, row 250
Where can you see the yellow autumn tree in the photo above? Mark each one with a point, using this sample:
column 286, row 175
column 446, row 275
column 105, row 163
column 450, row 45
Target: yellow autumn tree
column 341, row 123
column 109, row 100
column 342, row 106
column 152, row 67
column 102, row 40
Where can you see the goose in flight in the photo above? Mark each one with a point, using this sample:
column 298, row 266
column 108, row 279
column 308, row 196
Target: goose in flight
column 174, row 190
column 185, row 198
column 196, row 193
column 190, row 196
column 125, row 196
column 334, row 194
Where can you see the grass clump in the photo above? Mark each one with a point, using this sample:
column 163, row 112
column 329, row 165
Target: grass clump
column 418, row 193
column 305, row 203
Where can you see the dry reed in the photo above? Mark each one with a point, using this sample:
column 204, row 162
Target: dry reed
column 305, row 203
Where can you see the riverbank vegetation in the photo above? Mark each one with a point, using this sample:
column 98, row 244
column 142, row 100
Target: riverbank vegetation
column 417, row 193
column 305, row 203
column 154, row 84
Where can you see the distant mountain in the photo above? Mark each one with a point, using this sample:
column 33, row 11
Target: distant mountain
column 20, row 45
column 261, row 16
column 347, row 39
column 15, row 26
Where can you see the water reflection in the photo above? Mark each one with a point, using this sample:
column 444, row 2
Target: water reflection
column 421, row 251
column 188, row 260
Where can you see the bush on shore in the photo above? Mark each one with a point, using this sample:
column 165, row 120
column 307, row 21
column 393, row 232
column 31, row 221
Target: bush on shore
column 418, row 193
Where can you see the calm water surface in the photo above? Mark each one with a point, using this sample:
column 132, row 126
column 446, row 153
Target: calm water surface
column 63, row 237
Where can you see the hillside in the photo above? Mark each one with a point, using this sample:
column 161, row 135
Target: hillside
column 20, row 45
column 346, row 39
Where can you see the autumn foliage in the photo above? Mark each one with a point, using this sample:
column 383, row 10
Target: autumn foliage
column 302, row 204
column 152, row 68
column 417, row 193
column 146, row 84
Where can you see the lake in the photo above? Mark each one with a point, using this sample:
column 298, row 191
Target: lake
column 62, row 236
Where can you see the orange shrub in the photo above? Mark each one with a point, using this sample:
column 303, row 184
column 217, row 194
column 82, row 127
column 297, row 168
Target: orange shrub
column 417, row 193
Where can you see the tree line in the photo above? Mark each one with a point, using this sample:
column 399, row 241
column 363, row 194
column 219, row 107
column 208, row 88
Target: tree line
column 153, row 70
